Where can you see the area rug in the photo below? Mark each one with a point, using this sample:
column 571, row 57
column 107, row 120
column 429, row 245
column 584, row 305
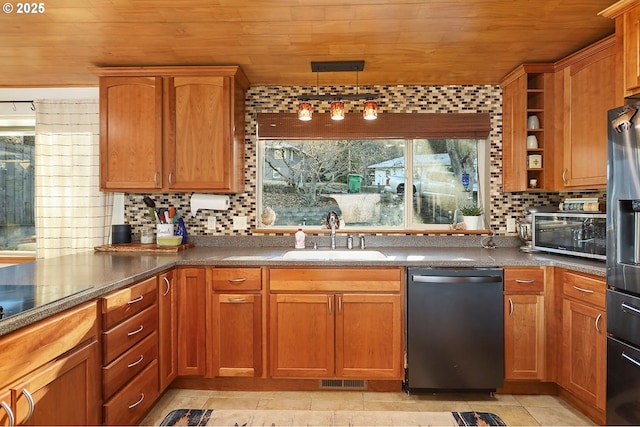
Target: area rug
column 240, row 418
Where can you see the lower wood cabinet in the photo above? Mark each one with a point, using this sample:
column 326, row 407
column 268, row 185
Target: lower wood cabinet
column 56, row 381
column 336, row 323
column 235, row 320
column 167, row 328
column 524, row 323
column 130, row 352
column 584, row 339
column 192, row 328
column 62, row 393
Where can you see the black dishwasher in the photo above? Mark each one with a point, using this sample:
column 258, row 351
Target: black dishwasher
column 455, row 333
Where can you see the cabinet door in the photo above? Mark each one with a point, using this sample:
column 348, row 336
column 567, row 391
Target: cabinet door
column 199, row 134
column 168, row 328
column 237, row 335
column 584, row 352
column 589, row 92
column 65, row 392
column 369, row 336
column 130, row 133
column 191, row 321
column 514, row 126
column 524, row 337
column 631, row 49
column 302, row 335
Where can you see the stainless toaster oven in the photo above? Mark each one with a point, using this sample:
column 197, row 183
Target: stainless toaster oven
column 570, row 233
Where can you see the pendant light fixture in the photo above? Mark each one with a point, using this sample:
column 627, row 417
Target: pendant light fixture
column 337, row 110
column 305, row 109
column 370, row 111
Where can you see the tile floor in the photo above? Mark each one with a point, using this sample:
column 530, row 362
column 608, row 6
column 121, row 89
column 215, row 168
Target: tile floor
column 515, row 410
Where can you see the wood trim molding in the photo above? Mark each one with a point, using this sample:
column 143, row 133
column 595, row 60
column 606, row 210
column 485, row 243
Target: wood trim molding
column 387, row 125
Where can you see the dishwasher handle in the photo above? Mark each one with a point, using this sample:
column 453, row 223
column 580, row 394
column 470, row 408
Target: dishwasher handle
column 455, row 279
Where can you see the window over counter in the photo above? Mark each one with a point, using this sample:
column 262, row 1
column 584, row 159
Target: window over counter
column 17, row 179
column 373, row 181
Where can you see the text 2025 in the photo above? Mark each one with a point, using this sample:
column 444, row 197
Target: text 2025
column 30, row 8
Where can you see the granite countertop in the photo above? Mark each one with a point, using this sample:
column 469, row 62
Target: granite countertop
column 56, row 284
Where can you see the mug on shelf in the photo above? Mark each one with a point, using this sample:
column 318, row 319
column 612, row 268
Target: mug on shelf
column 532, row 142
column 533, row 122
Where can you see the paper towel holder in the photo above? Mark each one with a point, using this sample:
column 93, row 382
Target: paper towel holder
column 208, row 201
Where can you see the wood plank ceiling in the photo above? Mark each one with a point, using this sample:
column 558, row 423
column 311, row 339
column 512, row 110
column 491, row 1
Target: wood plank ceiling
column 401, row 41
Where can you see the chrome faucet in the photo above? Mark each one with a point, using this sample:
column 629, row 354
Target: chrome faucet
column 333, row 219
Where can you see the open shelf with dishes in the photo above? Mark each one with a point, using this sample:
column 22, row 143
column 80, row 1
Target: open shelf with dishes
column 526, row 105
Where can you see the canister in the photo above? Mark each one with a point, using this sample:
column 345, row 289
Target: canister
column 120, row 233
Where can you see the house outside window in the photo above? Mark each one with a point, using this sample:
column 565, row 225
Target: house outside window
column 17, row 181
column 365, row 181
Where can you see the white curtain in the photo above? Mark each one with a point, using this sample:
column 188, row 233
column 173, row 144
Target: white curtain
column 72, row 215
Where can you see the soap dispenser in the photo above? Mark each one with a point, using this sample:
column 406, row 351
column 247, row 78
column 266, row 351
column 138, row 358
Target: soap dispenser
column 300, row 239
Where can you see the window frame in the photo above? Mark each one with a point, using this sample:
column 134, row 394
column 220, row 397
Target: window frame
column 17, row 119
column 405, row 126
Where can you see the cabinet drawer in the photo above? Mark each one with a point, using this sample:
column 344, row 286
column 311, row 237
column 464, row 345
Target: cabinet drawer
column 237, row 279
column 124, row 303
column 336, row 279
column 125, row 367
column 131, row 403
column 585, row 288
column 120, row 338
column 528, row 279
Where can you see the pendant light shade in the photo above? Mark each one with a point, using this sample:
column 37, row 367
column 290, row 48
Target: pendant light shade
column 370, row 111
column 305, row 111
column 337, row 110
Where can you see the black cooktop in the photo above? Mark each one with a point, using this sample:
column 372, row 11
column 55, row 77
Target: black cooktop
column 15, row 299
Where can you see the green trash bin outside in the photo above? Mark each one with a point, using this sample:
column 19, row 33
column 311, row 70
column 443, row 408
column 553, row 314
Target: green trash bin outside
column 355, row 183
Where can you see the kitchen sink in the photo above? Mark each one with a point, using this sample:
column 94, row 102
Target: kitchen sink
column 335, row 254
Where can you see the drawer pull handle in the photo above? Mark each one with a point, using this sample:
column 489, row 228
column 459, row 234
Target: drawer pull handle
column 624, row 356
column 524, row 281
column 137, row 331
column 510, row 306
column 586, row 291
column 137, row 362
column 597, row 322
column 32, row 405
column 630, row 309
column 135, row 300
column 12, row 419
column 238, row 280
column 239, row 299
column 133, row 405
column 168, row 286
column 330, row 305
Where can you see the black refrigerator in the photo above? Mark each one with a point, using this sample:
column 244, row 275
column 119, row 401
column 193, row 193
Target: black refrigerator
column 623, row 266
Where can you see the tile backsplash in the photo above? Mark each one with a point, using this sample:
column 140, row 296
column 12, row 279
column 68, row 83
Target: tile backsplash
column 402, row 99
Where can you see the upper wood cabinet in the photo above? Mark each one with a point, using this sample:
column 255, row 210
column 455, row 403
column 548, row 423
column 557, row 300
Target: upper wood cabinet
column 172, row 129
column 627, row 16
column 527, row 92
column 586, row 89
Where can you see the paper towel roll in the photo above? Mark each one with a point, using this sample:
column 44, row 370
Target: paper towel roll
column 208, row 201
